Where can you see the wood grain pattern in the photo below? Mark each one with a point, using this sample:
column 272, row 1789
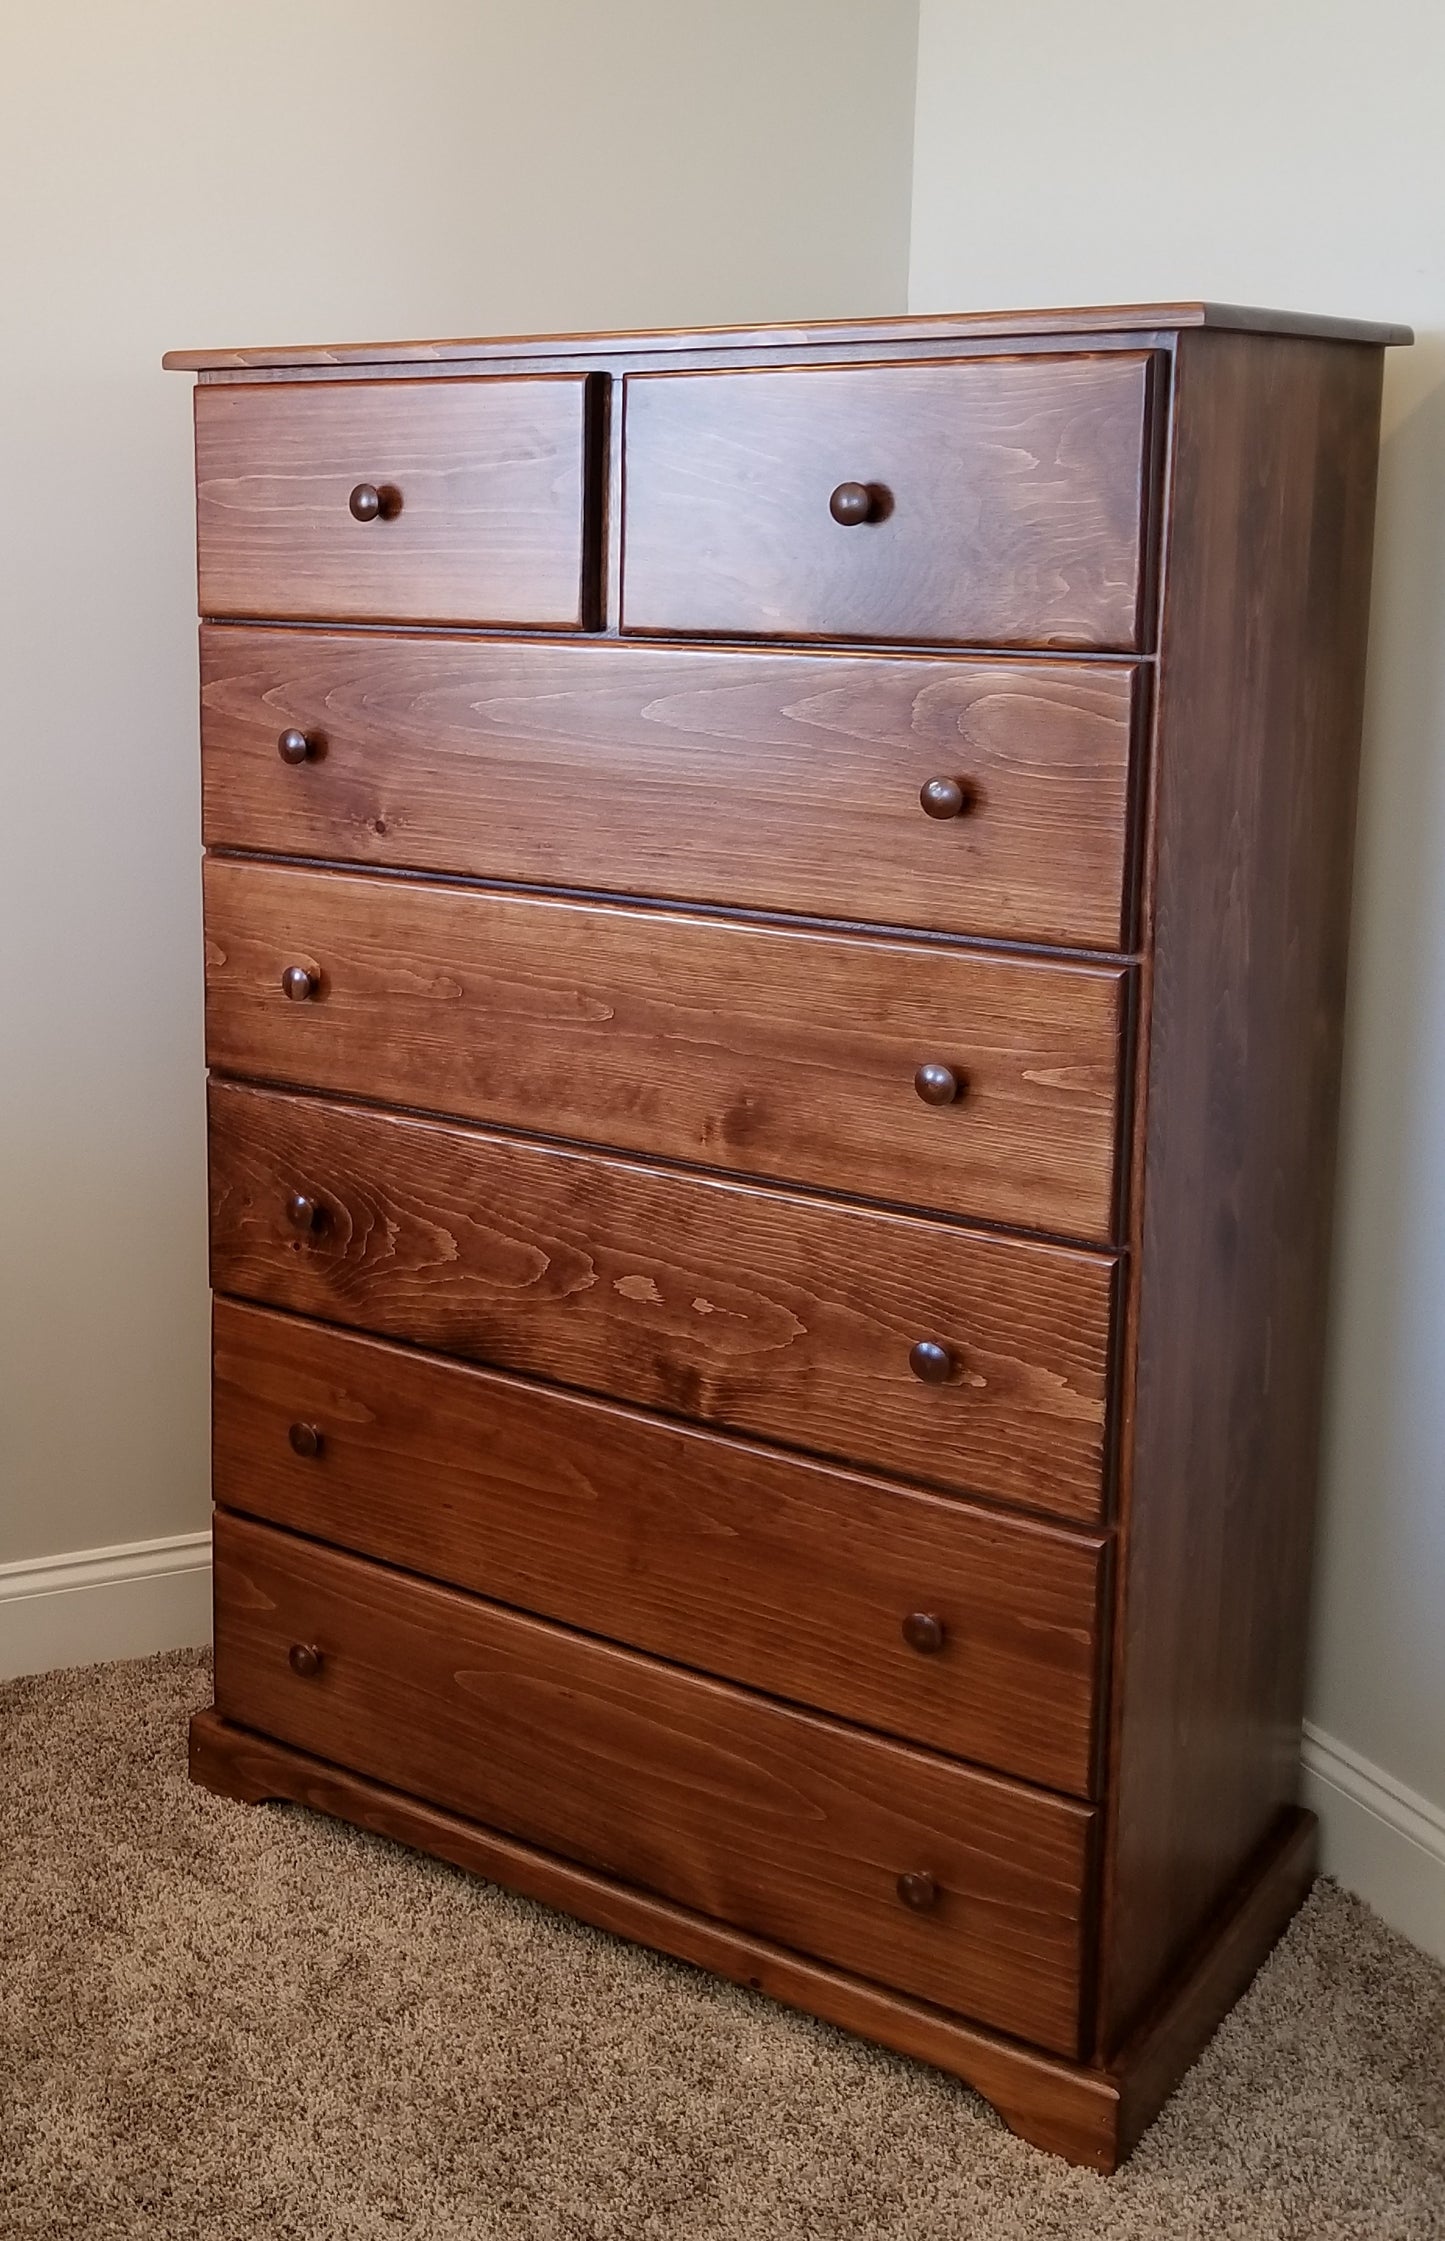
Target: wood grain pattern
column 1058, row 2105
column 610, row 766
column 1013, row 495
column 1269, row 556
column 490, row 477
column 773, row 1819
column 882, row 334
column 785, row 1575
column 787, row 1055
column 749, row 1310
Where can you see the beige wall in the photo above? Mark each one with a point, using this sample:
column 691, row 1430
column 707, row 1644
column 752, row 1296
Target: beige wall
column 1281, row 152
column 186, row 172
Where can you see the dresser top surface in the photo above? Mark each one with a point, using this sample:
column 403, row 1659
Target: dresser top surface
column 1150, row 318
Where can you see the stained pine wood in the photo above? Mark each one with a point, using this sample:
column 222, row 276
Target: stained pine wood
column 789, row 1055
column 883, row 334
column 761, row 1567
column 1011, row 499
column 778, row 781
column 777, row 1821
column 485, row 522
column 1269, row 556
column 749, row 1310
column 686, row 1314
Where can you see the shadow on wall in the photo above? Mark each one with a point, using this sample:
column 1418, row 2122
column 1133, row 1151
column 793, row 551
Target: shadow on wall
column 1383, row 1543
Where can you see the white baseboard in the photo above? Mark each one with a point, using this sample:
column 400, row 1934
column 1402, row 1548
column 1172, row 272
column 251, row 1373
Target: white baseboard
column 102, row 1603
column 1380, row 1839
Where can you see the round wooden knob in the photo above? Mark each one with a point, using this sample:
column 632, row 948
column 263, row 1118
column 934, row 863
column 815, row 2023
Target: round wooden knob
column 933, row 1363
column 365, row 502
column 304, row 1658
column 294, row 747
column 943, row 797
column 303, row 1212
column 917, row 1890
column 851, row 503
column 923, row 1632
column 299, row 984
column 937, row 1085
column 306, row 1440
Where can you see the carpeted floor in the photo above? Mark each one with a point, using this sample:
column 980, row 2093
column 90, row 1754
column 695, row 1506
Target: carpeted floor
column 221, row 2023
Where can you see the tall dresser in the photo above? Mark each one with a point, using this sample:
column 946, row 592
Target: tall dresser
column 776, row 911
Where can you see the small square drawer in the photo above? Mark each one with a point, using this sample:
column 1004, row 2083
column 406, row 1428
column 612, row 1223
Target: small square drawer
column 403, row 501
column 992, row 501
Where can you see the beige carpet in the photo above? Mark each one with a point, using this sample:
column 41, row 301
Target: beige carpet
column 223, row 2023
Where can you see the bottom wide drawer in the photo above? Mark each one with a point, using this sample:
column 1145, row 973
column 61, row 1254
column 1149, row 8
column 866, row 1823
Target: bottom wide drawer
column 956, row 1886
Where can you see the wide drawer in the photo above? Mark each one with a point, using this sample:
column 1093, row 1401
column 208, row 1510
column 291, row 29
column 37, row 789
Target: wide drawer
column 991, row 501
column 779, row 781
column 403, row 501
column 772, row 1819
column 932, row 1077
column 971, row 1631
column 749, row 1309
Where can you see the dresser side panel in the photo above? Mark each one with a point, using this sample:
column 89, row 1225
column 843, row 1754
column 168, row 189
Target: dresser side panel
column 1260, row 708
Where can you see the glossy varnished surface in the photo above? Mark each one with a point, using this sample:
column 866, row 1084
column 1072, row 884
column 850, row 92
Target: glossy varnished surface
column 789, row 1055
column 484, row 489
column 762, row 1816
column 778, row 781
column 1010, row 502
column 787, row 1575
column 749, row 1310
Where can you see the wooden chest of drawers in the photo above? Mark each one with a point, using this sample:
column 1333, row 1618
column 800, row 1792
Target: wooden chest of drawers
column 775, row 939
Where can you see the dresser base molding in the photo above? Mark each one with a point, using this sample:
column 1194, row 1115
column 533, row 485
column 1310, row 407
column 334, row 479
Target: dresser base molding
column 1092, row 2117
